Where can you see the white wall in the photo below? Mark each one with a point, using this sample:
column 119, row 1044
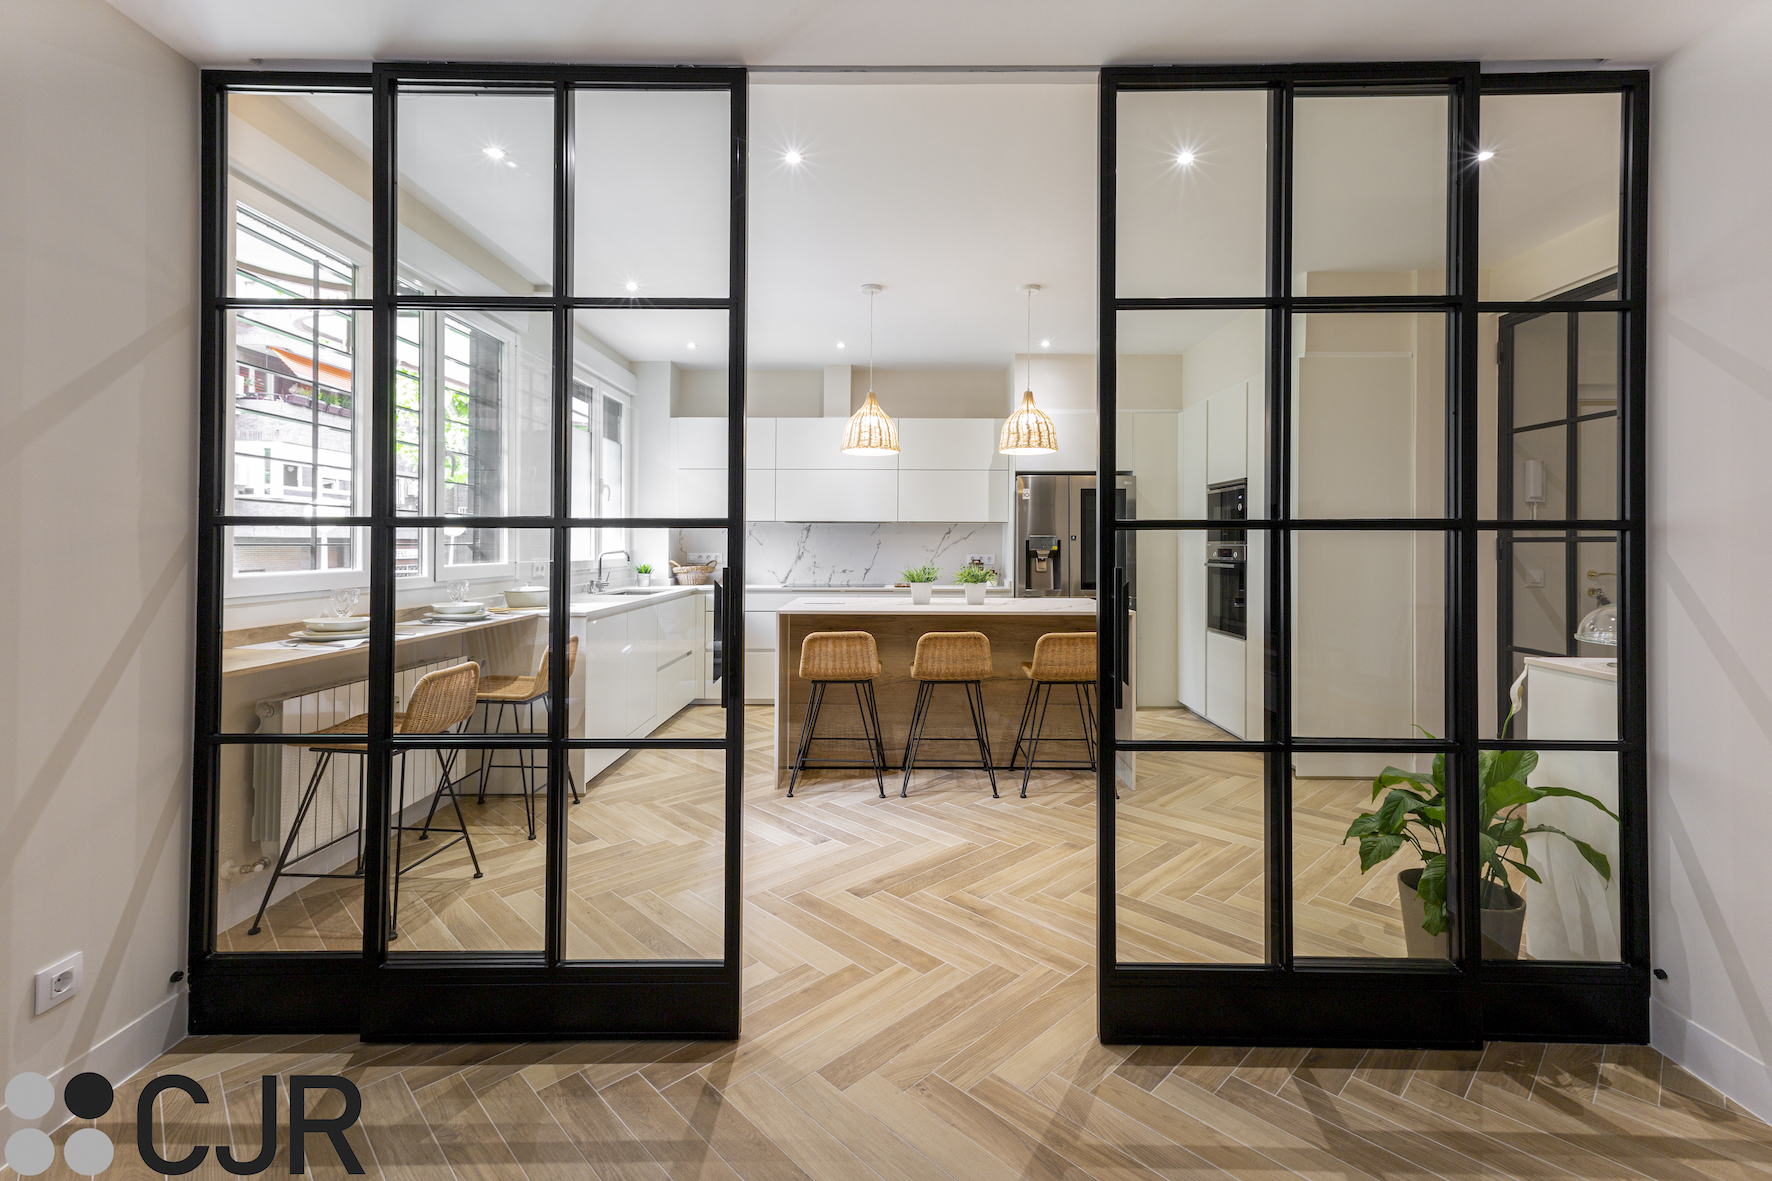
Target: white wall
column 98, row 230
column 1710, row 567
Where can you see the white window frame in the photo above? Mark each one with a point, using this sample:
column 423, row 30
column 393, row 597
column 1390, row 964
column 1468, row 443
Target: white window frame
column 622, row 538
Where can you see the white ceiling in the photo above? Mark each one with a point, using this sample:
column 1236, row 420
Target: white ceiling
column 924, row 32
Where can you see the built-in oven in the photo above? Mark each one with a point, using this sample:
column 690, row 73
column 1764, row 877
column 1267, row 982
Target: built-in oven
column 1227, row 560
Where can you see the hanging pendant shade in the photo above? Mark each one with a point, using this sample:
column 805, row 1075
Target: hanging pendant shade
column 870, row 431
column 1030, row 430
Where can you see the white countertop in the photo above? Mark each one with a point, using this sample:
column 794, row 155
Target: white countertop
column 596, row 606
column 1602, row 668
column 1005, row 605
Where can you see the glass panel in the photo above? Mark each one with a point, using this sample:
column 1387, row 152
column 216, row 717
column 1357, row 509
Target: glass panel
column 1550, row 182
column 1191, row 859
column 1369, row 415
column 476, row 176
column 1369, row 636
column 1198, row 621
column 472, row 415
column 1338, row 909
column 298, row 184
column 1369, row 212
column 1192, row 425
column 1572, row 911
column 649, row 424
column 646, row 862
column 468, row 829
column 653, row 193
column 652, row 663
column 1545, row 586
column 1539, row 351
column 262, row 792
column 1191, row 193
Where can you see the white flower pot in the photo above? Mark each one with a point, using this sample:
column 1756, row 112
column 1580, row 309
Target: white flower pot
column 975, row 594
column 920, row 592
column 642, row 580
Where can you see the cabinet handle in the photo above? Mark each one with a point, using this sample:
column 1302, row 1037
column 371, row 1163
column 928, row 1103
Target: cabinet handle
column 1122, row 635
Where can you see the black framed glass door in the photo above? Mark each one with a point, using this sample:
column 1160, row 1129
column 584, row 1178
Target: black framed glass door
column 1328, row 829
column 460, row 771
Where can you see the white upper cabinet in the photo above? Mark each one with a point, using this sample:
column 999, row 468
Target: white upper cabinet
column 700, row 442
column 759, row 495
column 759, row 444
column 1227, row 435
column 701, row 492
column 837, row 496
column 1079, row 443
column 816, row 444
column 952, row 496
column 950, row 444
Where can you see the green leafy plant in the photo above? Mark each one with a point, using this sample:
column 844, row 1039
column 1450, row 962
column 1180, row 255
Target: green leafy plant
column 924, row 573
column 1414, row 814
column 973, row 574
column 643, row 568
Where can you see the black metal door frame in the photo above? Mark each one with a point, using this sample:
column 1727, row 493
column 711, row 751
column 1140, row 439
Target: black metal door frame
column 468, row 995
column 1292, row 1000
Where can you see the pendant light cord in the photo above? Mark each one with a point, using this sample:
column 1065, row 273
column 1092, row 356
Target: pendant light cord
column 1030, row 342
column 871, row 341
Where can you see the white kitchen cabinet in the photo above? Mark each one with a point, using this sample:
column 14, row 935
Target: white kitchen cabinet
column 699, row 442
column 677, row 618
column 677, row 683
column 701, row 492
column 1225, row 681
column 837, row 495
column 759, row 443
column 950, row 444
column 759, row 495
column 952, row 496
column 1192, row 557
column 709, row 692
column 639, row 667
column 759, row 630
column 759, row 677
column 1227, row 434
column 817, row 444
column 602, row 667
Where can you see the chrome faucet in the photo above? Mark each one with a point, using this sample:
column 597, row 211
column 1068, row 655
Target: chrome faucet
column 601, row 583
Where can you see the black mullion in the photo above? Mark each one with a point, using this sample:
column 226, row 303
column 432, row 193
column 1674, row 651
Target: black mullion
column 1463, row 642
column 269, row 305
column 560, row 537
column 1278, row 687
column 1529, row 308
column 379, row 757
column 542, row 303
column 732, row 644
column 1106, row 942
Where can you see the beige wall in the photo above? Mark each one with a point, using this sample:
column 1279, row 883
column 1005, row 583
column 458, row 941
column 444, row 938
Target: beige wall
column 769, row 393
column 98, row 221
column 931, row 393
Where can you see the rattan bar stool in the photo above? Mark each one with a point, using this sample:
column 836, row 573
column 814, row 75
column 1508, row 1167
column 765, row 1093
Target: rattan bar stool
column 840, row 658
column 440, row 702
column 515, row 693
column 1060, row 658
column 950, row 658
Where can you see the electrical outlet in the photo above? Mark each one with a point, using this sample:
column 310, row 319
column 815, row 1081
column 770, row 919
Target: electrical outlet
column 1534, row 578
column 57, row 983
column 702, row 559
column 982, row 559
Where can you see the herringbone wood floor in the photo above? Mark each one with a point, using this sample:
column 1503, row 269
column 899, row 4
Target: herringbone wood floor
column 919, row 1003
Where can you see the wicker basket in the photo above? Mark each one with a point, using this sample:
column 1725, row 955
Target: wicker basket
column 692, row 575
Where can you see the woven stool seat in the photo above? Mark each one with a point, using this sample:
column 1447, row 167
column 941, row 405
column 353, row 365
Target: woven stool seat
column 441, row 700
column 839, row 656
column 513, row 691
column 1063, row 658
column 522, row 690
column 952, row 656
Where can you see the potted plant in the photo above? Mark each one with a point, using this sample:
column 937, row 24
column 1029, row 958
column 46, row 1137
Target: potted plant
column 643, row 574
column 1414, row 814
column 975, row 578
column 922, row 581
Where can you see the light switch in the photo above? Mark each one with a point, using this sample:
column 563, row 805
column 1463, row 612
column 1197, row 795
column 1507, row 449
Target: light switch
column 1534, row 578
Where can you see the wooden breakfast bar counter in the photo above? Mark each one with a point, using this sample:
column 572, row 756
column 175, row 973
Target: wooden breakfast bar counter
column 1013, row 625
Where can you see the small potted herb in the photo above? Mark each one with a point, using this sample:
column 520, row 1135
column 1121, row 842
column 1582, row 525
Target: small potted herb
column 922, row 579
column 975, row 577
column 643, row 574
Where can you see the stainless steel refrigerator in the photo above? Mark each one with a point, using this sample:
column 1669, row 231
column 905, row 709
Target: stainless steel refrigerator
column 1054, row 551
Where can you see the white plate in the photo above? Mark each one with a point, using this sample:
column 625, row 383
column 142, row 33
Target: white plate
column 461, row 618
column 324, row 637
column 474, row 605
column 341, row 626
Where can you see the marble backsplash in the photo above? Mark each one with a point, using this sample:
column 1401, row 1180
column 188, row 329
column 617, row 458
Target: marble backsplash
column 837, row 554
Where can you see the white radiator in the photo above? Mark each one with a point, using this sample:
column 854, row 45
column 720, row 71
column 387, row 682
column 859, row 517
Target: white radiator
column 280, row 773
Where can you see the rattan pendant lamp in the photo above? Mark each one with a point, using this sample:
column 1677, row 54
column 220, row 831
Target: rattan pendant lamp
column 870, row 431
column 1029, row 431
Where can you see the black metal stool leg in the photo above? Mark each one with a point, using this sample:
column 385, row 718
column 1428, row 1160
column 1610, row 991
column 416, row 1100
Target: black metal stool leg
column 531, row 774
column 301, row 813
column 914, row 737
column 1039, row 729
column 874, row 751
column 455, row 802
column 399, row 846
column 980, row 727
column 1021, row 729
column 814, row 699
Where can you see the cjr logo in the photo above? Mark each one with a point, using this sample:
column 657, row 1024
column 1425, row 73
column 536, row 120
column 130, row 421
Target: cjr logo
column 90, row 1152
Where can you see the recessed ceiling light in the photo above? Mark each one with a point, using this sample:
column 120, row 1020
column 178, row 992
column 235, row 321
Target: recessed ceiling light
column 1045, row 344
column 692, row 344
column 631, row 286
column 1185, row 157
column 494, row 153
column 510, row 163
column 1485, row 154
column 840, row 344
column 793, row 157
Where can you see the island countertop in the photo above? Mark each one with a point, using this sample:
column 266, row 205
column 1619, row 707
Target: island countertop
column 947, row 605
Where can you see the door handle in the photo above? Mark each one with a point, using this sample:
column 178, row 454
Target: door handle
column 1122, row 635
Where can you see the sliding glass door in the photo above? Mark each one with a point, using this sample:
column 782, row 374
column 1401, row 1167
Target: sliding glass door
column 459, row 771
column 1325, row 827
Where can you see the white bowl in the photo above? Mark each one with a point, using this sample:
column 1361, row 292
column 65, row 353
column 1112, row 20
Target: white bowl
column 331, row 623
column 465, row 608
column 527, row 596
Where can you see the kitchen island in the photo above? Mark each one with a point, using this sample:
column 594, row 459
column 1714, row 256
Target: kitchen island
column 1013, row 626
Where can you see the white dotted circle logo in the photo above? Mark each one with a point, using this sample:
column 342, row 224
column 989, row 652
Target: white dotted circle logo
column 30, row 1151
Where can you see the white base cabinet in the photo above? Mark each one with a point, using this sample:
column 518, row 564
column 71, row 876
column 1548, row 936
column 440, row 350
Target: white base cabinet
column 636, row 670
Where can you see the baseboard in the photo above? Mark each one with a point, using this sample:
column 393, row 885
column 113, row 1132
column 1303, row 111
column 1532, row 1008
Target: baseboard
column 1725, row 1066
column 118, row 1057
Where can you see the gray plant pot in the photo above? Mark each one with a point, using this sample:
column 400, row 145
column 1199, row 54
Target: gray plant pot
column 1504, row 921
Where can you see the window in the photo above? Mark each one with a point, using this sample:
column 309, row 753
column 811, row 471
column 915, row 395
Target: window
column 599, row 466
